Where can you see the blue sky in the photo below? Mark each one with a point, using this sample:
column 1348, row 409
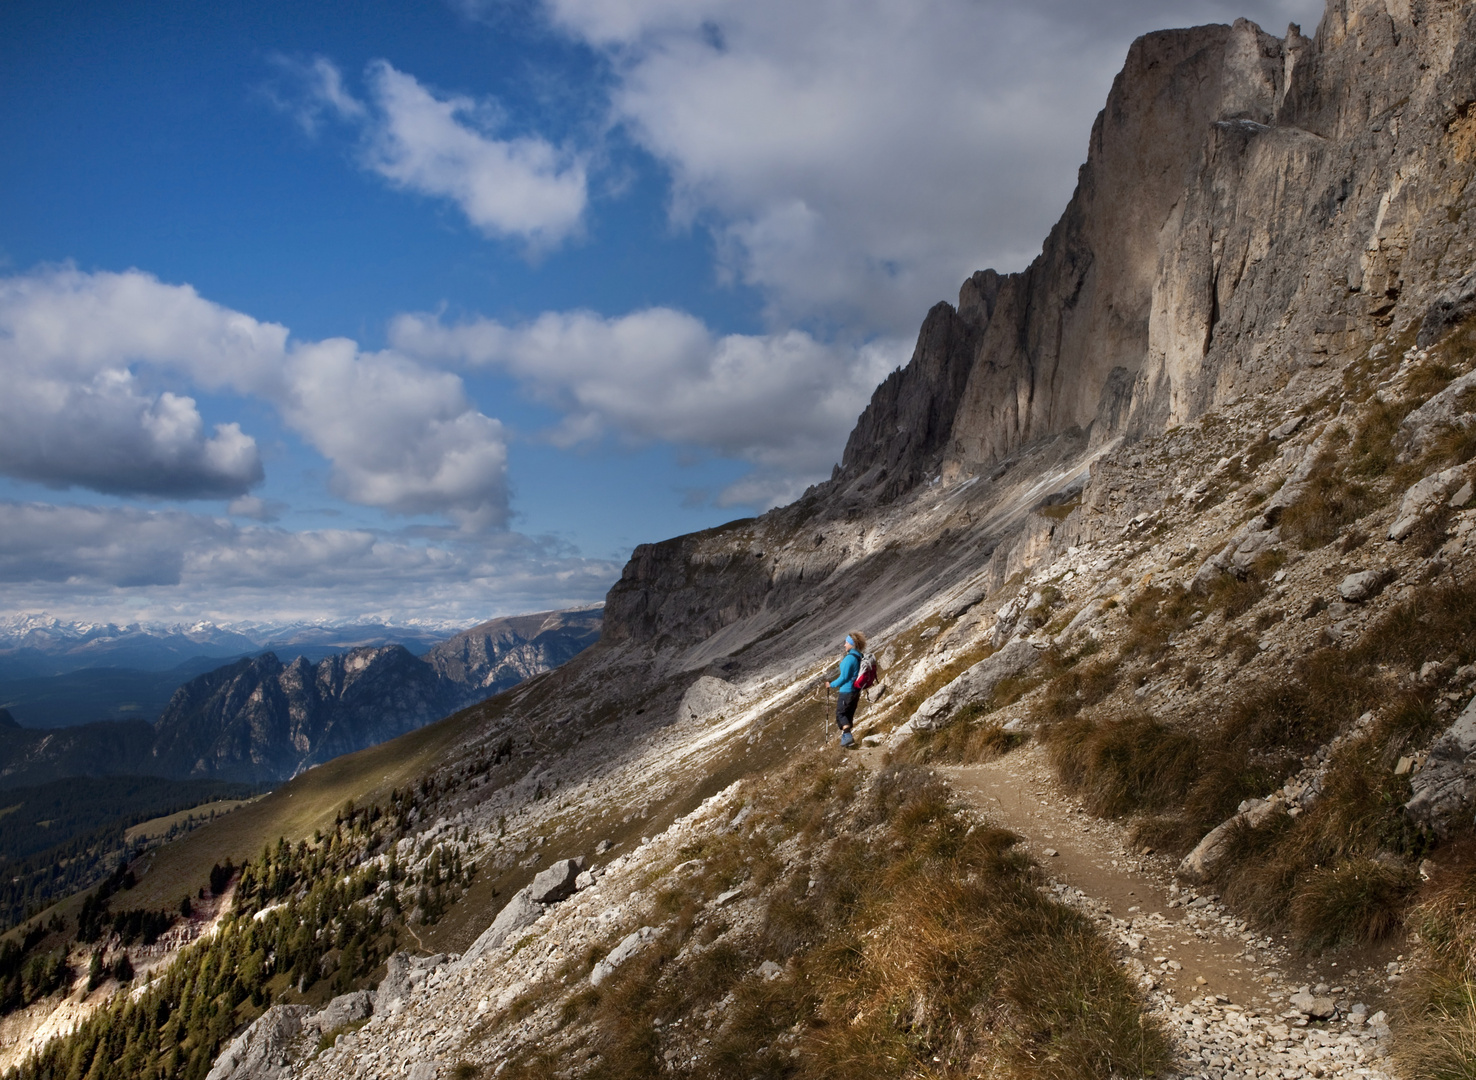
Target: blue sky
column 432, row 311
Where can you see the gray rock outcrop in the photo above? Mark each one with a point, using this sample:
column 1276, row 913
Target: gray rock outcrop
column 404, row 974
column 1424, row 498
column 628, row 947
column 975, row 684
column 1200, row 864
column 344, row 1010
column 557, row 882
column 263, row 1050
column 1449, row 409
column 1445, row 787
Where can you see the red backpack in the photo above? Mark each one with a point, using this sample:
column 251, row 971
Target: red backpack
column 867, row 675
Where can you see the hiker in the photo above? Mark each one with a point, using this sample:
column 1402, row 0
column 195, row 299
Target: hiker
column 846, row 693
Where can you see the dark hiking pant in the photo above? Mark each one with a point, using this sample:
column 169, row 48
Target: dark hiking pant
column 845, row 709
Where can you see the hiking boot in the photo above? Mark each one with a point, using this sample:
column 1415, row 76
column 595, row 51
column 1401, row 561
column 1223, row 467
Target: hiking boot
column 847, row 740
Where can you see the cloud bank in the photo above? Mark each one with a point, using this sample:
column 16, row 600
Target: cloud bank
column 160, row 565
column 783, row 402
column 78, row 351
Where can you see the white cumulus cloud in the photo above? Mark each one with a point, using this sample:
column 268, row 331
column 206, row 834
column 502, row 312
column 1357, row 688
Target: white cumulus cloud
column 856, row 159
column 77, row 349
column 784, row 402
column 446, row 147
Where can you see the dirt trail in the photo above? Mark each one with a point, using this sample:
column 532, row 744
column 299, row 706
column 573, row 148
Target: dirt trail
column 1224, row 989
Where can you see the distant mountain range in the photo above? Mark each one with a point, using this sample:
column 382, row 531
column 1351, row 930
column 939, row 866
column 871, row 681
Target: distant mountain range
column 260, row 720
column 35, row 645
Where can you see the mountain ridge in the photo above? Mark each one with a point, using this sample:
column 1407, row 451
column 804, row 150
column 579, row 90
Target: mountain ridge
column 259, row 720
column 1177, row 532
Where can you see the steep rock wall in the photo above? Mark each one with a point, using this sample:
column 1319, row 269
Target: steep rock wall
column 1255, row 213
column 1246, row 204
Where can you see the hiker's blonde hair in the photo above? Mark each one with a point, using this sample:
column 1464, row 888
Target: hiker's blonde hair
column 860, row 639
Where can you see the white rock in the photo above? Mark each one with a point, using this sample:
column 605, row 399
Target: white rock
column 1364, row 585
column 628, row 947
column 1424, row 498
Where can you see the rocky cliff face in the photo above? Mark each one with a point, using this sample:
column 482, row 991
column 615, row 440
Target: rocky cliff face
column 1250, row 205
column 1254, row 214
column 260, row 720
column 503, row 652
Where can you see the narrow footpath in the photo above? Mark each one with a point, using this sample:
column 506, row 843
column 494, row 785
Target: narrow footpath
column 1240, row 1003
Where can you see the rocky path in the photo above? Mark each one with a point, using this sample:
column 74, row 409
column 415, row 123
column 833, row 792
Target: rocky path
column 1239, row 1002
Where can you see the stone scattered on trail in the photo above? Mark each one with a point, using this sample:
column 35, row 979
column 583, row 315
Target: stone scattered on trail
column 769, row 971
column 628, row 947
column 976, row 683
column 1312, row 1007
column 1364, row 585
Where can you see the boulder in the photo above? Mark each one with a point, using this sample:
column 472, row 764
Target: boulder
column 1288, row 429
column 556, row 883
column 396, row 982
column 1201, row 863
column 262, row 1051
column 1082, row 619
column 977, row 682
column 344, row 1010
column 1364, row 585
column 522, row 910
column 1257, row 535
column 1445, row 786
column 628, row 947
column 1424, row 498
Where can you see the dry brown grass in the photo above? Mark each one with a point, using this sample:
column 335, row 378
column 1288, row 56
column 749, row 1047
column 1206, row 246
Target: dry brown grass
column 914, row 944
column 1330, row 504
column 961, row 742
column 1124, row 766
column 1073, row 686
column 1339, row 874
column 1435, row 1036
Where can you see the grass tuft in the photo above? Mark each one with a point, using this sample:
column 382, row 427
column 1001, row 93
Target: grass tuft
column 913, row 942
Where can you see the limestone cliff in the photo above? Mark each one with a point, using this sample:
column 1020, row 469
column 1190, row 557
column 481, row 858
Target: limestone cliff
column 1249, row 206
column 1255, row 213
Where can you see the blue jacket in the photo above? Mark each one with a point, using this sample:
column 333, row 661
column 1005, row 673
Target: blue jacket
column 850, row 667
